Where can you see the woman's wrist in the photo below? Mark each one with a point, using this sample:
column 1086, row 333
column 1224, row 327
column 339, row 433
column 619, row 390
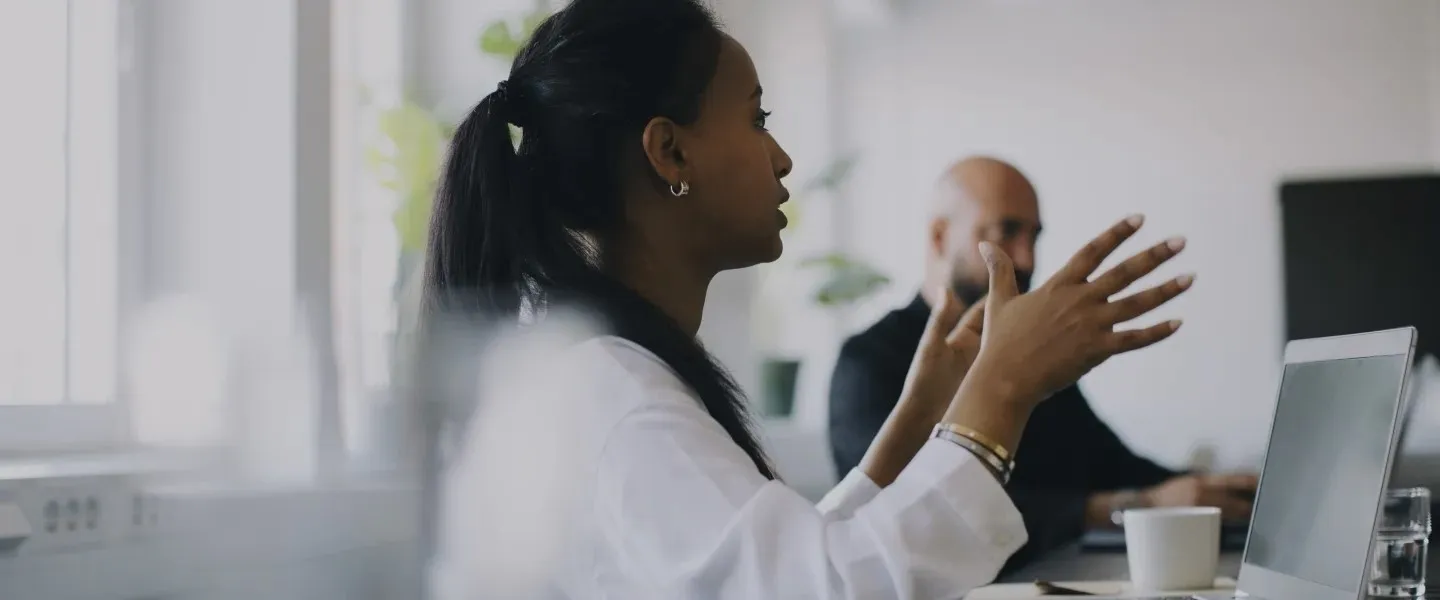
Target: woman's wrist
column 1001, row 383
column 905, row 431
column 991, row 406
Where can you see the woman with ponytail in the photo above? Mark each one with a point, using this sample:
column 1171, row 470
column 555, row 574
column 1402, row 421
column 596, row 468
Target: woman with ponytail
column 644, row 168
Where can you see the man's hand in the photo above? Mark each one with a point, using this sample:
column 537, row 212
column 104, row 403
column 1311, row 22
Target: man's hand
column 1234, row 495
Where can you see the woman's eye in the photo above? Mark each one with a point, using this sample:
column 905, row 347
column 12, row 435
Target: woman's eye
column 762, row 118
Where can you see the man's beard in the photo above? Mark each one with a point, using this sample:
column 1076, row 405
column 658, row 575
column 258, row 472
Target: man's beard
column 970, row 292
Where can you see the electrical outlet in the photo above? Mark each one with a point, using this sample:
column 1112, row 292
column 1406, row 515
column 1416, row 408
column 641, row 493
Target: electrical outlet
column 77, row 514
column 69, row 515
column 81, row 520
column 144, row 515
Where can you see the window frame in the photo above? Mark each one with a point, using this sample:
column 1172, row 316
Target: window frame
column 358, row 349
column 69, row 423
column 320, row 271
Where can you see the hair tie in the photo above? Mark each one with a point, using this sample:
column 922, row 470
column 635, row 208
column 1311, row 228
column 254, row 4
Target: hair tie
column 508, row 104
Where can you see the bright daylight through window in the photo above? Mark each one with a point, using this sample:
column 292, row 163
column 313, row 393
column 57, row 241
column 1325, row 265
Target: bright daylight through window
column 58, row 209
column 372, row 272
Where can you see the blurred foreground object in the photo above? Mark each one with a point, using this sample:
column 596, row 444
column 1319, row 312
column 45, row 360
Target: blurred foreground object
column 506, row 494
column 178, row 368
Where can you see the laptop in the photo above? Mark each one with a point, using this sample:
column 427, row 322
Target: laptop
column 1417, row 461
column 1332, row 441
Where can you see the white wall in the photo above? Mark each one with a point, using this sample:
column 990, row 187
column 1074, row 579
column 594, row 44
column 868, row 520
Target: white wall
column 230, row 108
column 219, row 173
column 1435, row 83
column 1191, row 112
column 223, row 158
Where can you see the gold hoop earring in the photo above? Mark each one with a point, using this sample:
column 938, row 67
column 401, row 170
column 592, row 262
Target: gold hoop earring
column 683, row 190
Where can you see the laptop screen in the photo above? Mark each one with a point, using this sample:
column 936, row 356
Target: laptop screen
column 1315, row 510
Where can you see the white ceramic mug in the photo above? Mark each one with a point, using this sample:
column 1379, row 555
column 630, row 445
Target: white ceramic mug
column 1172, row 549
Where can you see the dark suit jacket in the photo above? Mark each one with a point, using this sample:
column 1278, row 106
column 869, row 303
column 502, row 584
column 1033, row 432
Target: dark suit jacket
column 1067, row 453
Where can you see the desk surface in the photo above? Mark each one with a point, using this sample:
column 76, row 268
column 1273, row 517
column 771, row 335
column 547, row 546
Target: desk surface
column 1070, row 564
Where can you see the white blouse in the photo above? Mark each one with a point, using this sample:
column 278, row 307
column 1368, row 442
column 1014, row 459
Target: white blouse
column 660, row 503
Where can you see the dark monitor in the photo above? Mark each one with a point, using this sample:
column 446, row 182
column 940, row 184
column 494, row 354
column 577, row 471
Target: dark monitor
column 1362, row 255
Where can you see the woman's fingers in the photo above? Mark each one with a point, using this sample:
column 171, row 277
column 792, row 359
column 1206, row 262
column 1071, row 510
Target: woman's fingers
column 1003, row 286
column 1084, row 262
column 1120, row 342
column 1122, row 275
column 972, row 323
column 1137, row 304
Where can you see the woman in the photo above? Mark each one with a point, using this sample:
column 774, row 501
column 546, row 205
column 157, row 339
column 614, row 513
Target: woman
column 645, row 168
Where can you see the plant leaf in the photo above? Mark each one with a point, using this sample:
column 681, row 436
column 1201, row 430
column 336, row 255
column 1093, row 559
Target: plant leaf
column 409, row 165
column 497, row 40
column 412, row 221
column 833, row 175
column 847, row 280
column 833, row 260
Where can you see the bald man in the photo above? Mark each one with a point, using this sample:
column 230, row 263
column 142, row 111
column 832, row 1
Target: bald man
column 1073, row 473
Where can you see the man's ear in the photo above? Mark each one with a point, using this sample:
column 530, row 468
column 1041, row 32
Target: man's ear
column 663, row 150
column 939, row 227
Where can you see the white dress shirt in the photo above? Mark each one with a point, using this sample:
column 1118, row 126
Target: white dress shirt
column 660, row 503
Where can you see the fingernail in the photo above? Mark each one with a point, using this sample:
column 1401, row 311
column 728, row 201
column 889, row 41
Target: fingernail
column 1176, row 244
column 987, row 252
column 1175, row 325
column 1135, row 220
column 1185, row 281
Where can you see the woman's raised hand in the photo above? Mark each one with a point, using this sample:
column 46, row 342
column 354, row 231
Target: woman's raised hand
column 948, row 347
column 1037, row 343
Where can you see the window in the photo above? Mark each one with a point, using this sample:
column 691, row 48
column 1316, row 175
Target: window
column 59, row 211
column 368, row 259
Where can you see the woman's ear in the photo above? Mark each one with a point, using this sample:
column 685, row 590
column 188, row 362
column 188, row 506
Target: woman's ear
column 662, row 142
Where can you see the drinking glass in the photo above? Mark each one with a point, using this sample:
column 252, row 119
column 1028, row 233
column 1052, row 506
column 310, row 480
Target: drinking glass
column 1402, row 544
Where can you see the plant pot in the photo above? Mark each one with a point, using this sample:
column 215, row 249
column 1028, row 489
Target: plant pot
column 778, row 377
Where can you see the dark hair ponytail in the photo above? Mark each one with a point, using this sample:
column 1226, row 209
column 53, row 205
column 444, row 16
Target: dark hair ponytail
column 506, row 233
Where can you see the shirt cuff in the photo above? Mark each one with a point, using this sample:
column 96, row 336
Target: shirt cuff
column 967, row 486
column 854, row 491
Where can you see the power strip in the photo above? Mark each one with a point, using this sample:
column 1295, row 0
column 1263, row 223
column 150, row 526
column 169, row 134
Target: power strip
column 118, row 537
column 79, row 513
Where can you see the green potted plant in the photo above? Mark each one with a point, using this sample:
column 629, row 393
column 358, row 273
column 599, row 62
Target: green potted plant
column 407, row 160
